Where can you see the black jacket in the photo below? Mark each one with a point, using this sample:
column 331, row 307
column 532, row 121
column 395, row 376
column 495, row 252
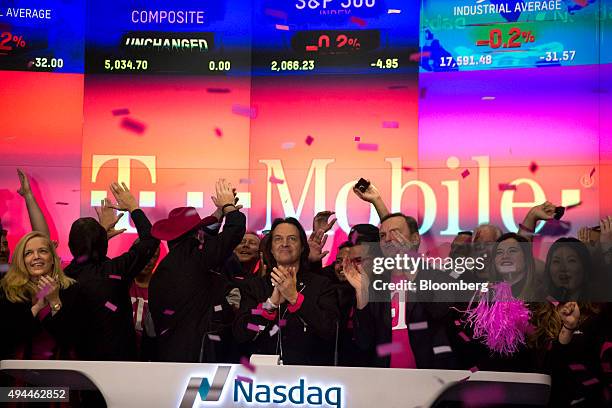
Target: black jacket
column 431, row 345
column 309, row 334
column 20, row 330
column 101, row 333
column 183, row 293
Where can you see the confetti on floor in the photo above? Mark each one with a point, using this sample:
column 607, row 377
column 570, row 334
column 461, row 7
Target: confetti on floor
column 110, row 306
column 133, row 125
column 120, row 112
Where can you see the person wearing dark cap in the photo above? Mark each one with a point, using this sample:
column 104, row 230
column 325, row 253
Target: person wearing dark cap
column 186, row 296
column 102, row 306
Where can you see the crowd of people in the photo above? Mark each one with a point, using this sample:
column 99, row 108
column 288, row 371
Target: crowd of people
column 223, row 293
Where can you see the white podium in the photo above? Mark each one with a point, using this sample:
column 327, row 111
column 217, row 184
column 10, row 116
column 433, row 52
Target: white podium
column 135, row 384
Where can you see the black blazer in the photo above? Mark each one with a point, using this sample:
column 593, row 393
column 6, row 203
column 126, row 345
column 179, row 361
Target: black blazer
column 309, row 334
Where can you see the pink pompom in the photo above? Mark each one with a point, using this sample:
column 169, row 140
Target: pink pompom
column 501, row 322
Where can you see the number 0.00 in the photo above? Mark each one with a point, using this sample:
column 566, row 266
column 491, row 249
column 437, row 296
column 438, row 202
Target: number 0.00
column 219, row 65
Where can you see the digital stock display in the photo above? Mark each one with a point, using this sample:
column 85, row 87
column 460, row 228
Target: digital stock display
column 439, row 102
column 481, row 34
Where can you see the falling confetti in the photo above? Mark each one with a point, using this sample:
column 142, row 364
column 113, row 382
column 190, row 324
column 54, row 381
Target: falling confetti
column 282, row 27
column 474, row 369
column 244, row 379
column 368, row 147
column 245, row 181
column 246, row 364
column 465, row 173
column 218, row 308
column 61, row 203
column 253, row 327
column 274, row 329
column 533, row 167
column 168, row 312
column 464, row 337
column 422, row 93
column 592, row 172
column 218, row 90
column 416, row 56
column 577, row 367
column 406, row 168
column 275, row 180
column 214, row 337
column 506, row 187
column 282, row 322
column 246, row 111
column 390, row 125
column 359, row 21
column 117, row 277
column 133, row 125
column 275, row 13
column 110, row 306
column 488, row 98
column 357, row 139
column 288, row 145
column 394, row 11
column 309, row 140
column 120, row 112
column 592, row 381
column 389, row 348
column 257, row 312
column 218, row 132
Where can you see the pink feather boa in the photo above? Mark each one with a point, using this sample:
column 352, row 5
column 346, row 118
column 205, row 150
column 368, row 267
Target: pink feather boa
column 501, row 322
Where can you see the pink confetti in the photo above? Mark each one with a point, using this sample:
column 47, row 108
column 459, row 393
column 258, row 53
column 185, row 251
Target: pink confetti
column 606, row 346
column 82, row 258
column 288, row 145
column 117, row 277
column 406, row 168
column 577, row 367
column 218, row 90
column 592, row 381
column 464, row 379
column 275, row 13
column 465, row 173
column 120, row 112
column 309, row 140
column 464, row 336
column 164, row 332
column 416, row 56
column 552, row 300
column 245, row 181
column 257, row 312
column 61, row 203
column 274, row 329
column 390, row 125
column 253, row 327
column 247, row 111
column 359, row 21
column 368, row 147
column 275, row 180
column 282, row 322
column 214, row 337
column 592, row 172
column 168, row 312
column 533, row 167
column 457, row 323
column 282, row 27
column 506, row 187
column 357, row 138
column 244, row 379
column 389, row 348
column 247, row 364
column 133, row 125
column 110, row 306
column 218, row 132
column 473, row 369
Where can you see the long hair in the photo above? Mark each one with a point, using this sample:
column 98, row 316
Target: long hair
column 17, row 285
column 587, row 268
column 526, row 289
column 303, row 240
column 547, row 321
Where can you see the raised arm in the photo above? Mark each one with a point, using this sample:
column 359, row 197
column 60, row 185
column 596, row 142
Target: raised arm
column 37, row 219
column 372, row 196
column 544, row 212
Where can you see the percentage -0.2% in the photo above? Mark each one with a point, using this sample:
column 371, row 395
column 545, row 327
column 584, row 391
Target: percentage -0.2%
column 9, row 40
column 515, row 36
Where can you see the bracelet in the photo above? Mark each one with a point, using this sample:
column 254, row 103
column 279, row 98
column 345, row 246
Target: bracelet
column 567, row 328
column 225, row 206
column 524, row 228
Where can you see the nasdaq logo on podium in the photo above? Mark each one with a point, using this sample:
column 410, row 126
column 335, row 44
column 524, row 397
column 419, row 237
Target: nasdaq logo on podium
column 252, row 392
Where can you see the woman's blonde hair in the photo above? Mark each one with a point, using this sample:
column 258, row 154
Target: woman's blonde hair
column 547, row 322
column 17, row 285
